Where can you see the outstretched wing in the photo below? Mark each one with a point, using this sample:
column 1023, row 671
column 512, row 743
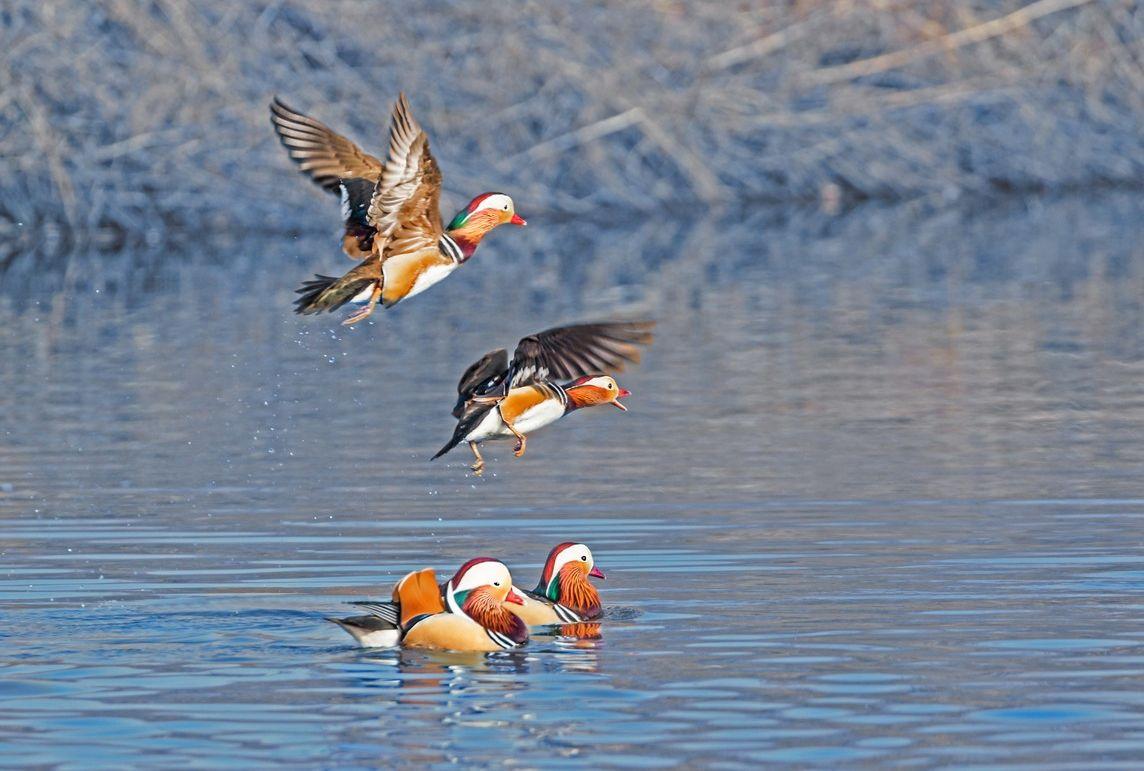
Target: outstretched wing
column 405, row 208
column 562, row 353
column 481, row 377
column 320, row 152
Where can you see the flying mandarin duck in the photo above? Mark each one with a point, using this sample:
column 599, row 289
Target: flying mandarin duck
column 391, row 211
column 468, row 614
column 498, row 399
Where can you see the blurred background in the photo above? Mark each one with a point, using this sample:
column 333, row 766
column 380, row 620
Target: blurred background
column 878, row 496
column 128, row 120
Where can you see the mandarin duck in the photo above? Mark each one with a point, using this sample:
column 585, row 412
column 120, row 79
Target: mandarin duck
column 468, row 614
column 498, row 399
column 391, row 211
column 564, row 594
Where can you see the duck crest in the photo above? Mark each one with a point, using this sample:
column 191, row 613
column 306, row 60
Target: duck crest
column 548, row 586
column 455, row 600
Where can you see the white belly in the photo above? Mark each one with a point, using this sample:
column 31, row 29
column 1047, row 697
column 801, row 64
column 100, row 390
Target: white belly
column 491, row 425
column 429, row 277
column 539, row 416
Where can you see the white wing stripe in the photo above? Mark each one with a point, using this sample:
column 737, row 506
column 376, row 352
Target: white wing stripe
column 567, row 615
column 450, row 249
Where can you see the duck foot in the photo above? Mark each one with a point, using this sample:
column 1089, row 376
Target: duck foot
column 478, row 467
column 521, row 442
column 364, row 313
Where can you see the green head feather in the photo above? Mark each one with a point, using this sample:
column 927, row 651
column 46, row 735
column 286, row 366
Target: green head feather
column 459, row 220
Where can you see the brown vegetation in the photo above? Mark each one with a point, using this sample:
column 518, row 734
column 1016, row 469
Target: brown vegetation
column 133, row 120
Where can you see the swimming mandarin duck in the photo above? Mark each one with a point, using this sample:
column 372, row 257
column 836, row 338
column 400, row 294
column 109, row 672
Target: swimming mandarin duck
column 498, row 399
column 467, row 615
column 391, row 211
column 564, row 594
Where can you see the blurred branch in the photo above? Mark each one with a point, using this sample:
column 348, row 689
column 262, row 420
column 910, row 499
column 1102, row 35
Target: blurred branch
column 764, row 46
column 976, row 34
column 49, row 145
column 582, row 135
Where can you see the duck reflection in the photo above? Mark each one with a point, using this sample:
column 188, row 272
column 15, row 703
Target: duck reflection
column 581, row 635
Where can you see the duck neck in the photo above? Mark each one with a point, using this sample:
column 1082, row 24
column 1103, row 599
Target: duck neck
column 469, row 233
column 583, row 396
column 483, row 608
column 575, row 591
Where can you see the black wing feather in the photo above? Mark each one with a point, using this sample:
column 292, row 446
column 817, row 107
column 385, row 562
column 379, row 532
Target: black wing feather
column 562, row 353
column 481, row 378
column 390, row 612
column 472, row 415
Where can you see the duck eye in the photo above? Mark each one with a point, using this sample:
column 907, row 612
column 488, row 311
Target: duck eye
column 585, row 558
column 496, row 583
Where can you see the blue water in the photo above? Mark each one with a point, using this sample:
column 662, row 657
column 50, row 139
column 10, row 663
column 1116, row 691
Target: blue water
column 878, row 501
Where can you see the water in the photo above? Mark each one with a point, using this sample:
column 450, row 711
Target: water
column 877, row 500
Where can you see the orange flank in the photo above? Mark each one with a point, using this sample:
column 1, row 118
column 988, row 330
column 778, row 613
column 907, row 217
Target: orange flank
column 401, row 272
column 519, row 401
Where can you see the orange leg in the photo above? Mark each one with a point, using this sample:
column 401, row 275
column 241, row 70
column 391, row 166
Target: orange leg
column 368, row 309
column 521, row 440
column 478, row 467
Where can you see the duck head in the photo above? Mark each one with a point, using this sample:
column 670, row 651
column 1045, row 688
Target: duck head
column 595, row 389
column 484, row 213
column 565, row 578
column 479, row 590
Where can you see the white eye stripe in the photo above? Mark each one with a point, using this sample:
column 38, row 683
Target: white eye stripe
column 484, row 574
column 497, row 201
column 578, row 552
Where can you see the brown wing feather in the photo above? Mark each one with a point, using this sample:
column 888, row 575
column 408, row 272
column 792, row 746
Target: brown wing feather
column 320, row 152
column 563, row 353
column 406, row 204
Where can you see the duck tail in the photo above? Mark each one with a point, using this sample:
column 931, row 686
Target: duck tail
column 369, row 631
column 326, row 293
column 456, row 440
column 470, row 419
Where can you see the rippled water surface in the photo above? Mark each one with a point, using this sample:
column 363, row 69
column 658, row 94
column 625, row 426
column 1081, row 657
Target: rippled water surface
column 878, row 500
